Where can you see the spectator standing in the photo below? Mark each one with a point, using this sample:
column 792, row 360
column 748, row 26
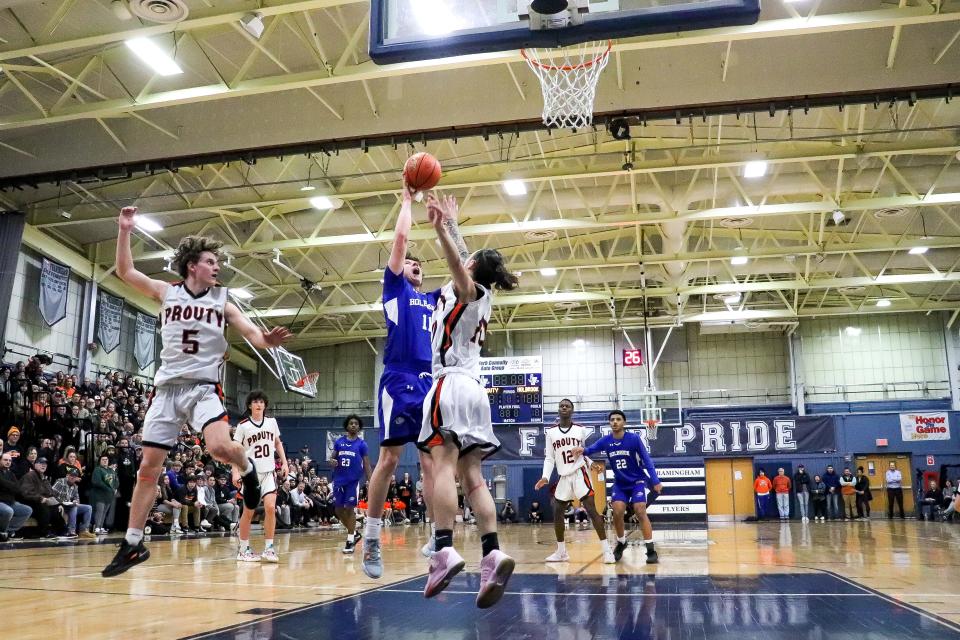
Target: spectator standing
column 762, row 487
column 405, row 491
column 781, row 487
column 801, row 484
column 12, row 513
column 38, row 495
column 832, row 480
column 103, row 495
column 68, row 496
column 848, row 491
column 894, row 481
column 864, row 495
column 818, row 496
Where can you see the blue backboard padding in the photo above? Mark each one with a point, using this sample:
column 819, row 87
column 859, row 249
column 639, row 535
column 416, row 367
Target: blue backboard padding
column 598, row 26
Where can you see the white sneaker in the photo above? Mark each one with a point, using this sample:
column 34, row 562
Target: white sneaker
column 205, row 524
column 247, row 555
column 176, row 530
column 608, row 557
column 269, row 555
column 559, row 556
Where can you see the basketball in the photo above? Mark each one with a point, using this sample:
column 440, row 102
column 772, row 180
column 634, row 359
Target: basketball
column 422, row 171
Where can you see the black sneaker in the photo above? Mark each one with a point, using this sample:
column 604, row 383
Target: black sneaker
column 618, row 550
column 127, row 556
column 251, row 488
column 4, row 538
column 356, row 537
column 652, row 557
column 349, row 548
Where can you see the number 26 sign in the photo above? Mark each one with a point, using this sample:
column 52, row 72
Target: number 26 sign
column 632, row 358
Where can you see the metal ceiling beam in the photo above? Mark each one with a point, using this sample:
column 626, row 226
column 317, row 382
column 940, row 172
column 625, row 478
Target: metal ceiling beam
column 365, row 71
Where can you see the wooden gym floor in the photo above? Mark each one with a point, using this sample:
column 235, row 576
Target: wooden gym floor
column 880, row 579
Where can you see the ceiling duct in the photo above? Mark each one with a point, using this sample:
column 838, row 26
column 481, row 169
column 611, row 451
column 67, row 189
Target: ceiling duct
column 160, row 11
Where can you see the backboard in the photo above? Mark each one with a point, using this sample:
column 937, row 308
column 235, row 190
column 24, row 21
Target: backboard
column 406, row 30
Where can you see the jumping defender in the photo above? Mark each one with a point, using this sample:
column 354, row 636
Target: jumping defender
column 193, row 317
column 562, row 439
column 350, row 463
column 260, row 437
column 626, row 454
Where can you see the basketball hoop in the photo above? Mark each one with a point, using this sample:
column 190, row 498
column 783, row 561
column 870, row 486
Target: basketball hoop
column 652, row 428
column 569, row 88
column 308, row 383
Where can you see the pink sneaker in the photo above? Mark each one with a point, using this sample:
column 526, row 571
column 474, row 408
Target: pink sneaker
column 444, row 565
column 495, row 570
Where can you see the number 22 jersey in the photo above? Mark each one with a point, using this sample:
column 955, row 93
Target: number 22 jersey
column 629, row 458
column 259, row 441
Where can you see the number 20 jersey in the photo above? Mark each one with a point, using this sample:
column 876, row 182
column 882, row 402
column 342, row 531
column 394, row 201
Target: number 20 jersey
column 259, row 441
column 193, row 335
column 458, row 330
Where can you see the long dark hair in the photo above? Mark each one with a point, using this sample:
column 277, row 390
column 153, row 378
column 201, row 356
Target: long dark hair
column 489, row 270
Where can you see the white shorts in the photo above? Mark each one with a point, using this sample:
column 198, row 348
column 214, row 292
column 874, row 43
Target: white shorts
column 574, row 486
column 268, row 485
column 198, row 404
column 457, row 408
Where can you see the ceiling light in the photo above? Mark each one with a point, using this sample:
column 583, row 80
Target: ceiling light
column 321, row 202
column 148, row 225
column 548, row 271
column 919, row 251
column 853, row 331
column 732, row 298
column 883, row 302
column 579, row 343
column 514, row 187
column 838, row 217
column 307, row 187
column 153, row 56
column 241, row 293
column 252, row 23
column 739, row 260
column 755, row 169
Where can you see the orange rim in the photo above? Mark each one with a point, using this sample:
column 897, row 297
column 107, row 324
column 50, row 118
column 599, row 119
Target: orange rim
column 569, row 67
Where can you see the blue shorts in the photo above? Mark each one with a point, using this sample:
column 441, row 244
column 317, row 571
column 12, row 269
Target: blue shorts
column 345, row 495
column 400, row 406
column 630, row 494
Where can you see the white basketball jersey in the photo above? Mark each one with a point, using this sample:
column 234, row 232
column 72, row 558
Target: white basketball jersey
column 193, row 335
column 458, row 331
column 259, row 441
column 558, row 450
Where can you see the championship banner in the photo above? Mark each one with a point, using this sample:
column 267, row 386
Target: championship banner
column 110, row 314
column 145, row 339
column 54, row 290
column 917, row 427
column 740, row 437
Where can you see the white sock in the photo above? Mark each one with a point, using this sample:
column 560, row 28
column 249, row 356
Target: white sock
column 244, row 544
column 433, row 529
column 134, row 536
column 349, row 538
column 605, row 545
column 247, row 469
column 621, row 538
column 562, row 547
column 371, row 531
column 269, row 542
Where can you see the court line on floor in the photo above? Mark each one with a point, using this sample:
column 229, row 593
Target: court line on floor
column 211, row 584
column 145, row 595
column 733, row 594
column 307, row 607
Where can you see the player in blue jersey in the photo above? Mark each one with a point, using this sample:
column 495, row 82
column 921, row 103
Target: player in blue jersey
column 350, row 463
column 632, row 470
column 406, row 377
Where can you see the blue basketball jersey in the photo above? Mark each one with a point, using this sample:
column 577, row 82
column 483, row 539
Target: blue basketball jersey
column 628, row 457
column 407, row 315
column 349, row 455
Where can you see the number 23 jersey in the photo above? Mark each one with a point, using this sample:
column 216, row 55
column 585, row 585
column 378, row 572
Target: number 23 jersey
column 259, row 441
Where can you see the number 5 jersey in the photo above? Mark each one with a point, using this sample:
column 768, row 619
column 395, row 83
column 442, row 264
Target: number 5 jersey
column 193, row 335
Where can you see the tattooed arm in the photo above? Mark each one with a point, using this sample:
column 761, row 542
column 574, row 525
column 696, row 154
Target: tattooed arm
column 450, row 222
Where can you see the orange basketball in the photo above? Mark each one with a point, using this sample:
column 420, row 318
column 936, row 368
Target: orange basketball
column 422, row 171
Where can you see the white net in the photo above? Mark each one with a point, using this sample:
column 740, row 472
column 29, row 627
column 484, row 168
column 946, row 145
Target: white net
column 568, row 78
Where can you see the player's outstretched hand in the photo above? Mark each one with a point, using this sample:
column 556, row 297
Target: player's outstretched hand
column 126, row 220
column 276, row 336
column 541, row 483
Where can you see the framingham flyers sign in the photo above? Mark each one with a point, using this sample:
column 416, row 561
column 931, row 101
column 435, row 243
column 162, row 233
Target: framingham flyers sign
column 917, row 427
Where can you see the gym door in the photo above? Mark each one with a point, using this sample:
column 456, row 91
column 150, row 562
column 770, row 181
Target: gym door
column 875, row 467
column 729, row 489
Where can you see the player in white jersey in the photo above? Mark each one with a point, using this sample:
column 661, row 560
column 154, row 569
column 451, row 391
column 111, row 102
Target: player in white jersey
column 260, row 437
column 194, row 314
column 457, row 429
column 562, row 439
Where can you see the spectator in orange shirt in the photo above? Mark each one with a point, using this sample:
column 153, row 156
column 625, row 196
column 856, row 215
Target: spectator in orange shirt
column 762, row 487
column 781, row 486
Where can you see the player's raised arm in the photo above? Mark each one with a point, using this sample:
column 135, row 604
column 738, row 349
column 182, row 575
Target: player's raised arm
column 155, row 289
column 452, row 225
column 401, row 232
column 255, row 335
column 439, row 211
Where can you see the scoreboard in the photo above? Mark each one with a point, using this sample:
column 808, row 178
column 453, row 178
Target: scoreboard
column 515, row 388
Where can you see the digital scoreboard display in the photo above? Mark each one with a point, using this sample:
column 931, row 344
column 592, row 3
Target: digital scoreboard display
column 515, row 388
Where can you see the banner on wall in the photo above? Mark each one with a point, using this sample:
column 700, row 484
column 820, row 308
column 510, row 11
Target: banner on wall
column 739, row 437
column 54, row 290
column 145, row 339
column 109, row 316
column 917, row 427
